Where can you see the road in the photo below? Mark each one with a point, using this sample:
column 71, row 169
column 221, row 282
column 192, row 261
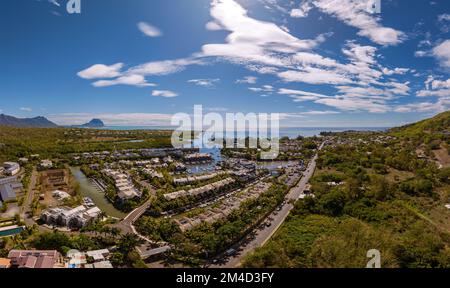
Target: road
column 26, row 205
column 262, row 235
column 126, row 225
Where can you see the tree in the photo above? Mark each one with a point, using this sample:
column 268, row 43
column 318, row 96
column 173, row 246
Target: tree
column 128, row 242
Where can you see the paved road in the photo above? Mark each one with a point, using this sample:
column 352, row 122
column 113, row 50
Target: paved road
column 26, row 205
column 126, row 225
column 263, row 235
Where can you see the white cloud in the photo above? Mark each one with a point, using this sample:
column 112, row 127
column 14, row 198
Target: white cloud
column 355, row 104
column 420, row 53
column 165, row 67
column 354, row 13
column 265, row 88
column 213, row 26
column 149, row 30
column 251, row 41
column 443, row 21
column 435, row 88
column 434, row 93
column 302, row 11
column 267, row 48
column 26, row 109
column 300, row 96
column 399, row 71
column 247, row 80
column 439, row 84
column 441, row 105
column 327, row 112
column 312, row 75
column 101, row 71
column 442, row 53
column 204, row 82
column 444, row 17
column 132, row 80
column 164, row 93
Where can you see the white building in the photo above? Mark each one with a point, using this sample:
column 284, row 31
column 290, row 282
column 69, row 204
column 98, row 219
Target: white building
column 9, row 188
column 71, row 217
column 46, row 164
column 124, row 185
column 11, row 168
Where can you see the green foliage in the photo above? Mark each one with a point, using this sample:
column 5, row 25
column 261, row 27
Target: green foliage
column 383, row 201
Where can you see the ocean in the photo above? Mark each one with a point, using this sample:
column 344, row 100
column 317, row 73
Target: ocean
column 291, row 132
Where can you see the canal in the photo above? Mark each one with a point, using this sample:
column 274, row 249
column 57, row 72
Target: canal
column 88, row 189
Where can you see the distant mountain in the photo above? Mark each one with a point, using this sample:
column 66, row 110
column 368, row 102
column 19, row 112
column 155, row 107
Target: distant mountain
column 94, row 123
column 37, row 122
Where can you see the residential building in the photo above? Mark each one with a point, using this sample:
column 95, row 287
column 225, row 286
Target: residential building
column 124, row 185
column 98, row 255
column 34, row 258
column 103, row 265
column 198, row 192
column 71, row 218
column 9, row 187
column 11, row 168
column 198, row 157
column 46, row 164
column 61, row 195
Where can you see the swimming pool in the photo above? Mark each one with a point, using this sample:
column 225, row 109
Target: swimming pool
column 10, row 231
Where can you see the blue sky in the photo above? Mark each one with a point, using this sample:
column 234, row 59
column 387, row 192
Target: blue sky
column 326, row 63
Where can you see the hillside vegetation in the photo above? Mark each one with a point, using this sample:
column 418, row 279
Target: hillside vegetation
column 59, row 142
column 372, row 191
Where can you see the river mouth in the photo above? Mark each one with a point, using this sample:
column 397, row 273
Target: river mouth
column 88, row 189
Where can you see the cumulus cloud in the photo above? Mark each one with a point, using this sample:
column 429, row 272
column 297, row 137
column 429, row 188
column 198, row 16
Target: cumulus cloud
column 355, row 13
column 442, row 53
column 300, row 96
column 247, row 80
column 26, row 109
column 355, row 104
column 266, row 48
column 132, row 80
column 164, row 93
column 435, row 88
column 204, row 82
column 149, row 30
column 264, row 88
column 443, row 104
column 326, row 112
column 165, row 67
column 251, row 41
column 302, row 11
column 101, row 71
column 213, row 26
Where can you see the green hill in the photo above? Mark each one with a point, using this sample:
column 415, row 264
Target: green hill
column 439, row 124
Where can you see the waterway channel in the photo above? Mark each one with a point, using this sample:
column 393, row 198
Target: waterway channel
column 88, row 189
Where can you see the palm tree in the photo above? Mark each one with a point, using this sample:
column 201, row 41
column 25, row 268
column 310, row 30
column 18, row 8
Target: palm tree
column 128, row 242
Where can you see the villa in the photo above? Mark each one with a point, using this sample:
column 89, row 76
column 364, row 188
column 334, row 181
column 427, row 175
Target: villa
column 11, row 168
column 34, row 258
column 124, row 185
column 71, row 218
